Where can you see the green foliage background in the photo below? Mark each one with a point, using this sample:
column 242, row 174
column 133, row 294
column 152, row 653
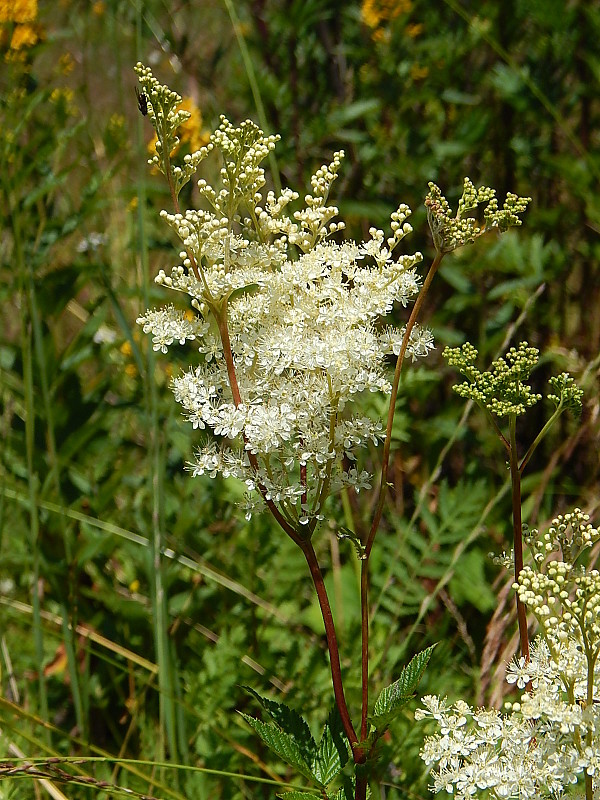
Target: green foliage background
column 92, row 485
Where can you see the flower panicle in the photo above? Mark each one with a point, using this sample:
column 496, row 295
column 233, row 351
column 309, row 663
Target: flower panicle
column 565, row 394
column 301, row 314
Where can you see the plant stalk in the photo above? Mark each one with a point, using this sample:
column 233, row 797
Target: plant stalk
column 332, row 646
column 515, row 476
column 364, row 567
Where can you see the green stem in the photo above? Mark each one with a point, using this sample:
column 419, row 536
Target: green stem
column 515, row 476
column 34, row 523
column 254, row 87
column 32, row 478
column 539, row 437
column 68, row 606
column 155, row 483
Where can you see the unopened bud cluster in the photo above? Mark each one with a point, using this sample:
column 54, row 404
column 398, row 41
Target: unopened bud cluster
column 502, row 390
column 165, row 117
column 450, row 232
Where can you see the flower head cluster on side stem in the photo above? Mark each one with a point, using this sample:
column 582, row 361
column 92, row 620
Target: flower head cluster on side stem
column 453, row 231
column 548, row 743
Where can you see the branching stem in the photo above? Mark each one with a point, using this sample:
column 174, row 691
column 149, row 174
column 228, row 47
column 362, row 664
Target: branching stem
column 364, row 572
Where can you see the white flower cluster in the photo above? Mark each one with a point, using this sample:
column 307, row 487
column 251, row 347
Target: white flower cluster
column 546, row 744
column 285, row 341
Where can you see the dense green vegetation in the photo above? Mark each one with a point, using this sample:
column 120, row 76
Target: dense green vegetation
column 104, row 655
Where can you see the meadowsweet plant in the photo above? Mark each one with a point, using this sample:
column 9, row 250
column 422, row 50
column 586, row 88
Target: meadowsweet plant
column 288, row 324
column 547, row 743
column 504, row 394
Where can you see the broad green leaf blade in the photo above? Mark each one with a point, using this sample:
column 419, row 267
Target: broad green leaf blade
column 281, row 743
column 394, row 697
column 290, row 722
column 333, row 750
column 297, row 796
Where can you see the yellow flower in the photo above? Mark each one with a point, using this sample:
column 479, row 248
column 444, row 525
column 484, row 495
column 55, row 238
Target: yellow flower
column 417, row 73
column 374, row 12
column 23, row 36
column 190, row 132
column 66, row 63
column 99, row 8
column 62, row 98
column 414, row 29
column 380, row 35
column 18, row 10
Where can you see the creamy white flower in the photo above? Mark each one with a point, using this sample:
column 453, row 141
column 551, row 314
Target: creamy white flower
column 304, row 322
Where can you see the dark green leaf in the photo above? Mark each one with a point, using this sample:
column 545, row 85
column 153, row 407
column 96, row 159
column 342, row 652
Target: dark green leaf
column 281, row 743
column 394, row 697
column 290, row 722
column 333, row 750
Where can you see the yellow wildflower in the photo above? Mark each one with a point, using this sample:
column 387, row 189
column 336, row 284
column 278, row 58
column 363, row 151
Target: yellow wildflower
column 23, row 36
column 99, row 8
column 66, row 63
column 414, row 29
column 62, row 98
column 417, row 73
column 190, row 132
column 374, row 12
column 21, row 11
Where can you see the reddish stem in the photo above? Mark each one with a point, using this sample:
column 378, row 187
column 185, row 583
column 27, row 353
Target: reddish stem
column 364, row 573
column 515, row 475
column 332, row 646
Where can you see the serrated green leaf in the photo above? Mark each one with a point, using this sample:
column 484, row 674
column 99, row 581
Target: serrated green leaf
column 297, row 796
column 394, row 697
column 281, row 743
column 333, row 750
column 290, row 722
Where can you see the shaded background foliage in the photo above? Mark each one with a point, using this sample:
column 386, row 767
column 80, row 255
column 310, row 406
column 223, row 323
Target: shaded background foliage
column 93, row 455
